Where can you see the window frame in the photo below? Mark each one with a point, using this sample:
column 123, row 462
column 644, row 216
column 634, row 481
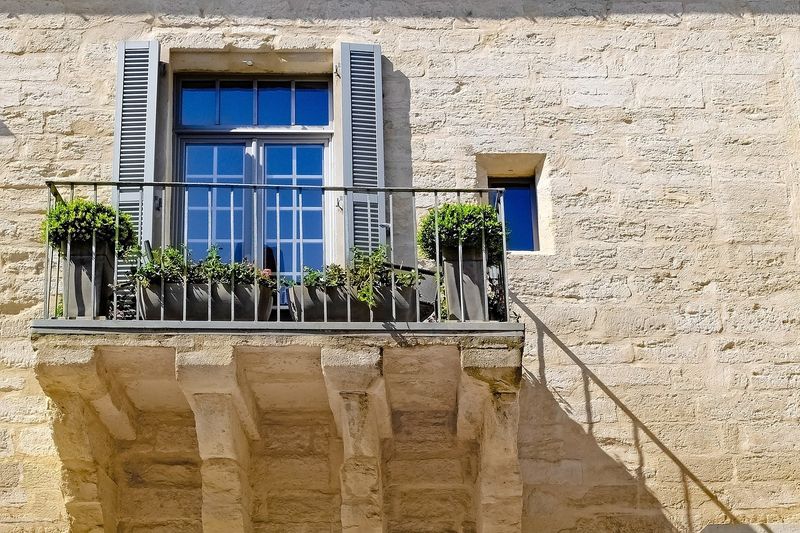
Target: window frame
column 179, row 129
column 531, row 181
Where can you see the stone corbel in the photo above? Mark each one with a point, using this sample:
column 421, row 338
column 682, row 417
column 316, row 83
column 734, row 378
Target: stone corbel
column 80, row 370
column 357, row 396
column 488, row 412
column 225, row 420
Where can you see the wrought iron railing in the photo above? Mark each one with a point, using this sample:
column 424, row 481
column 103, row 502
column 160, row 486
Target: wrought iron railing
column 272, row 253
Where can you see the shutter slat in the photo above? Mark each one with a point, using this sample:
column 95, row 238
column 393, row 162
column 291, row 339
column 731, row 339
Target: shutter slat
column 363, row 130
column 134, row 139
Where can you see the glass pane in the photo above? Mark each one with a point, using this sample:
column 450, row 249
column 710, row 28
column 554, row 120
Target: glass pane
column 285, row 200
column 236, row 103
column 230, row 160
column 198, row 224
column 311, row 198
column 312, row 255
column 311, row 104
column 309, row 159
column 312, row 224
column 279, row 159
column 198, row 250
column 519, row 216
column 198, row 197
column 198, row 103
column 199, row 159
column 275, row 103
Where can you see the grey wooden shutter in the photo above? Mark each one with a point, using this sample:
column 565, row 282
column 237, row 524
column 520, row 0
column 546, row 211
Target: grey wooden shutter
column 362, row 129
column 135, row 131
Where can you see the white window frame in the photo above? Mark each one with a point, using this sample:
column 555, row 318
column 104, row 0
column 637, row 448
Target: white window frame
column 257, row 136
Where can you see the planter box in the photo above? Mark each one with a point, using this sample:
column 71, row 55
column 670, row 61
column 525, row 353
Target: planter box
column 78, row 287
column 469, row 275
column 197, row 302
column 312, row 301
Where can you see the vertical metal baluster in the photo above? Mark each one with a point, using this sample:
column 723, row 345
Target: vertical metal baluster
column 47, row 259
column 212, row 211
column 161, row 248
column 139, row 236
column 67, row 267
column 324, row 259
column 369, row 240
column 233, row 258
column 391, row 256
column 416, row 254
column 484, row 260
column 438, row 258
column 460, row 267
column 278, row 248
column 505, row 263
column 302, row 259
column 185, row 251
column 256, row 267
column 347, row 222
column 94, row 261
column 116, row 262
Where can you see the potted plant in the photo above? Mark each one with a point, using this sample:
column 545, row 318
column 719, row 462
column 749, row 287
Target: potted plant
column 162, row 280
column 73, row 228
column 207, row 285
column 476, row 231
column 365, row 286
column 237, row 288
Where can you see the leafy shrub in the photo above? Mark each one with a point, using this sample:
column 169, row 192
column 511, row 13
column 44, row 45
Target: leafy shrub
column 465, row 222
column 367, row 274
column 173, row 264
column 169, row 264
column 78, row 218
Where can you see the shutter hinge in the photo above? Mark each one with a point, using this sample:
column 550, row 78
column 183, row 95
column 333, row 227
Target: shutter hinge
column 162, row 68
column 336, row 70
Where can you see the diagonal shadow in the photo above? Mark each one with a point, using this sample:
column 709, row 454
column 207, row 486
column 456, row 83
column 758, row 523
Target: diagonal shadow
column 559, row 415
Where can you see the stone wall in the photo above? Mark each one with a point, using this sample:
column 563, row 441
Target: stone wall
column 661, row 384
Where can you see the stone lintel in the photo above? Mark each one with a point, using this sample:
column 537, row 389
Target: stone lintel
column 81, row 370
column 215, row 371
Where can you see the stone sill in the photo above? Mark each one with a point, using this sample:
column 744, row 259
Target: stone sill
column 169, row 327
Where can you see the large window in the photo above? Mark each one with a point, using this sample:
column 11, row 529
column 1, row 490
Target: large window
column 273, row 133
column 519, row 202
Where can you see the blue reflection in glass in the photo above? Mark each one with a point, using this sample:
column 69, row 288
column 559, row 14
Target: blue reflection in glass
column 275, row 103
column 520, row 211
column 199, row 159
column 198, row 224
column 230, row 159
column 311, row 103
column 279, row 159
column 198, row 103
column 312, row 255
column 309, row 159
column 312, row 224
column 236, row 103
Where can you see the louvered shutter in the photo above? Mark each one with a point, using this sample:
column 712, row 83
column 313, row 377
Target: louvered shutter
column 362, row 131
column 135, row 131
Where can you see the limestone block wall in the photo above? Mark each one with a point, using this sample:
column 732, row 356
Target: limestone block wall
column 661, row 385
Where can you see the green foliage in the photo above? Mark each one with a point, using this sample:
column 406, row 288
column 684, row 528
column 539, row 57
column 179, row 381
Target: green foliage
column 173, row 264
column 367, row 274
column 169, row 264
column 331, row 276
column 78, row 218
column 467, row 223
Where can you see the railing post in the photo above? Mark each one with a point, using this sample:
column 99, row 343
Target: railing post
column 505, row 262
column 48, row 257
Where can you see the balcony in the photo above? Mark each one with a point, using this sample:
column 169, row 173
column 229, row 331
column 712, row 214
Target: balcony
column 250, row 257
column 215, row 318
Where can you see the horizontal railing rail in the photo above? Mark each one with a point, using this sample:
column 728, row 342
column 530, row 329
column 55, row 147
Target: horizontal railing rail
column 272, row 252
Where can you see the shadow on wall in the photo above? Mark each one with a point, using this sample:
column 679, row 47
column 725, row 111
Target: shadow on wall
column 573, row 485
column 531, row 9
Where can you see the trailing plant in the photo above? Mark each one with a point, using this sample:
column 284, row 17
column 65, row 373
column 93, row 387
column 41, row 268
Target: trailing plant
column 170, row 265
column 78, row 219
column 331, row 276
column 467, row 224
column 244, row 272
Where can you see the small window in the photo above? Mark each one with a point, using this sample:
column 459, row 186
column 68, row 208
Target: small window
column 519, row 202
